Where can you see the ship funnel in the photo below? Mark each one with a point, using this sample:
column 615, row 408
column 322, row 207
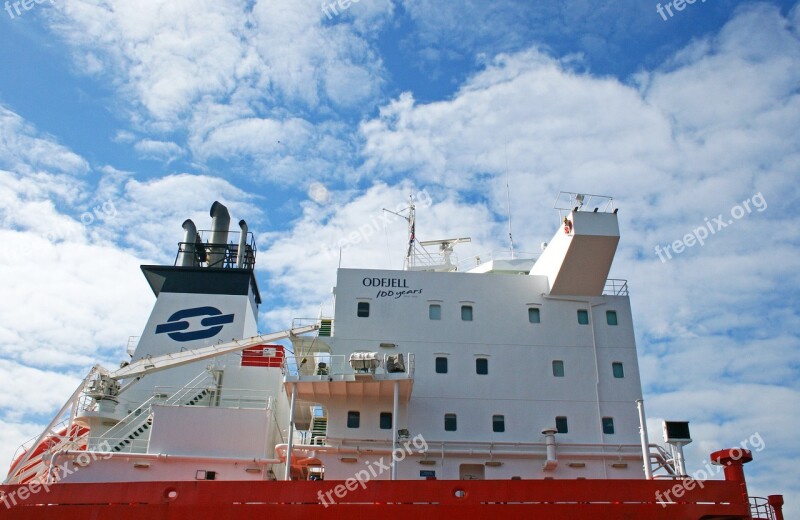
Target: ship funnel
column 241, row 255
column 186, row 255
column 218, row 241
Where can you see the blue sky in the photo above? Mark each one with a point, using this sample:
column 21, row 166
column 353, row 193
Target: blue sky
column 118, row 120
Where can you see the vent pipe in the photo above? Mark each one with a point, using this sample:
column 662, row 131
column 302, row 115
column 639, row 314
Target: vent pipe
column 241, row 255
column 218, row 241
column 187, row 256
column 550, row 442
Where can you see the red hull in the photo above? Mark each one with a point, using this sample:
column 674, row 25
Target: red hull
column 406, row 500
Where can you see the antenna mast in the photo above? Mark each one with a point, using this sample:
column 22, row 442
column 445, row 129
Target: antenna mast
column 412, row 224
column 508, row 203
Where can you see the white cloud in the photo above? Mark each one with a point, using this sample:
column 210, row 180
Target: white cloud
column 21, row 148
column 161, row 150
column 228, row 75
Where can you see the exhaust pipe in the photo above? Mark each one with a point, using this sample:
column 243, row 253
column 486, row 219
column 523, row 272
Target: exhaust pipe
column 218, row 241
column 187, row 256
column 241, row 255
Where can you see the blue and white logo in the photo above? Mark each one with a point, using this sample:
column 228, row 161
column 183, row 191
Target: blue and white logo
column 177, row 323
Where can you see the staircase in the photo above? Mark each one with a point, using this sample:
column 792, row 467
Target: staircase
column 145, row 426
column 319, row 430
column 325, row 327
column 137, row 425
column 660, row 459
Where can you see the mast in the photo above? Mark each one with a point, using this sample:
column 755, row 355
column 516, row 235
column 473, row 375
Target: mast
column 412, row 224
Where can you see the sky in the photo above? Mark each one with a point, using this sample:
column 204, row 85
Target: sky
column 120, row 119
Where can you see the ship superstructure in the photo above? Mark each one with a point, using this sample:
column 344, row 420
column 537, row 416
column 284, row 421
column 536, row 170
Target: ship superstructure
column 498, row 378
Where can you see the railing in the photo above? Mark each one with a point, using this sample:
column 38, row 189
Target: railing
column 615, row 287
column 339, row 365
column 242, row 398
column 567, row 201
column 140, row 415
column 133, row 342
column 325, row 325
column 502, row 254
column 38, row 469
column 663, row 460
column 760, row 509
column 202, row 249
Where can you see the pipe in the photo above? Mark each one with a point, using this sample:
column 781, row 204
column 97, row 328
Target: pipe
column 187, row 256
column 280, row 449
column 648, row 469
column 776, row 502
column 166, row 457
column 220, row 221
column 395, row 409
column 550, row 444
column 241, row 255
column 677, row 456
column 287, row 475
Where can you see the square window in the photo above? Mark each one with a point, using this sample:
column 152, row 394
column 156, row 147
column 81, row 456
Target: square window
column 611, row 317
column 386, row 420
column 558, row 368
column 353, row 419
column 534, row 316
column 618, row 370
column 608, row 425
column 482, row 366
column 363, row 310
column 561, row 425
column 466, row 312
column 498, row 423
column 583, row 317
column 441, row 365
column 450, row 423
column 435, row 311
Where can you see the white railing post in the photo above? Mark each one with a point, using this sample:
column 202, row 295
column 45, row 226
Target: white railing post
column 648, row 469
column 287, row 474
column 395, row 410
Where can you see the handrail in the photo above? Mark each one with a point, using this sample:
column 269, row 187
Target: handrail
column 615, row 287
column 142, row 411
column 338, row 365
column 761, row 508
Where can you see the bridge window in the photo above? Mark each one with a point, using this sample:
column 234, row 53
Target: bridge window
column 498, row 423
column 353, row 419
column 618, row 370
column 386, row 420
column 466, row 312
column 611, row 317
column 583, row 317
column 558, row 368
column 534, row 316
column 608, row 425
